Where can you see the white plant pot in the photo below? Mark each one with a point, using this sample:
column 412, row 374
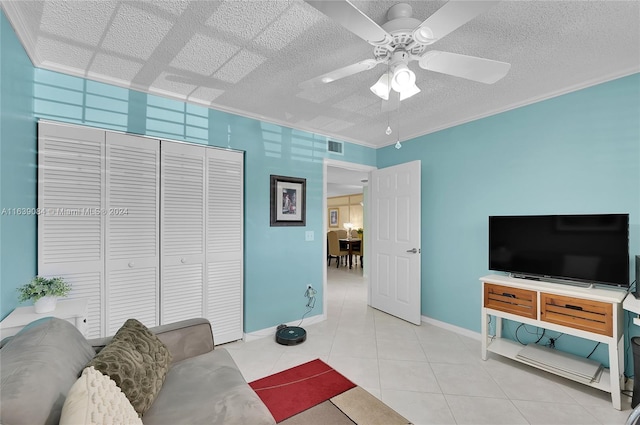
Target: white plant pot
column 45, row 304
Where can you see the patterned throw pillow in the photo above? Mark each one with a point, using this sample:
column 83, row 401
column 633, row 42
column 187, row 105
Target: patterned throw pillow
column 95, row 399
column 137, row 361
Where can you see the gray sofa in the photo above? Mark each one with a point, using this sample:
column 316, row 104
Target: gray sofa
column 39, row 365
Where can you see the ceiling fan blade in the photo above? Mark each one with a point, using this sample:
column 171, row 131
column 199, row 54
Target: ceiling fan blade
column 470, row 67
column 350, row 17
column 453, row 15
column 339, row 73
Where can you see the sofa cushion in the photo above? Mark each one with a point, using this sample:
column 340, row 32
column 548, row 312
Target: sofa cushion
column 207, row 389
column 137, row 361
column 95, row 399
column 38, row 367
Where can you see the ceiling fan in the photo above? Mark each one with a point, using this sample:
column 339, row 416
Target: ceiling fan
column 403, row 39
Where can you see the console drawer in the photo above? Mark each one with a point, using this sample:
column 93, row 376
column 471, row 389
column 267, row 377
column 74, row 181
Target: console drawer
column 577, row 313
column 511, row 300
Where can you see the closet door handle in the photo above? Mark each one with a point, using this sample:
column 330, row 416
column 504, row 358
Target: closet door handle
column 131, row 264
column 183, row 260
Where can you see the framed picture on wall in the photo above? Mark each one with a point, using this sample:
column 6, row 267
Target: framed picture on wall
column 334, row 217
column 288, row 201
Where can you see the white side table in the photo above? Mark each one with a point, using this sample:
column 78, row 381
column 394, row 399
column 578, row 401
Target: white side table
column 72, row 310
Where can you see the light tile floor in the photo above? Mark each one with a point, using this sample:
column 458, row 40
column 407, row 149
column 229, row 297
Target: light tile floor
column 427, row 374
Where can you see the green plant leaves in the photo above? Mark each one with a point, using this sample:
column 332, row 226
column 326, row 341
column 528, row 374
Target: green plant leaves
column 43, row 287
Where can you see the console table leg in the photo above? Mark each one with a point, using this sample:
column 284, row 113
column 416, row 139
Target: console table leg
column 615, row 360
column 484, row 333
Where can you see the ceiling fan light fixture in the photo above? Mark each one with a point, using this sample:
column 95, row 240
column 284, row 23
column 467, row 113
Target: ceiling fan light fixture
column 402, row 78
column 409, row 91
column 381, row 87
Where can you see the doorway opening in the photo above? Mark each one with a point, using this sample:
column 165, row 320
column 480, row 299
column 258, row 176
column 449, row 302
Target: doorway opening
column 344, row 179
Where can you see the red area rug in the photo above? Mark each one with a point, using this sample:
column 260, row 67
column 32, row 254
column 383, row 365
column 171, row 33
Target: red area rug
column 294, row 390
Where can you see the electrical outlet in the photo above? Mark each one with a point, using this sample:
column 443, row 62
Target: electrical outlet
column 309, row 292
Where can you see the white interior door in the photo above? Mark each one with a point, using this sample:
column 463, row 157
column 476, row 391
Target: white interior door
column 395, row 241
column 70, row 233
column 132, row 238
column 182, row 197
column 225, row 248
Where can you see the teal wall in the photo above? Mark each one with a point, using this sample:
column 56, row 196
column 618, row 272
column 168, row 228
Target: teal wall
column 576, row 153
column 278, row 262
column 17, row 168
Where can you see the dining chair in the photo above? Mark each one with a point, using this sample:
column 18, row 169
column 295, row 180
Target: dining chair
column 358, row 249
column 334, row 249
column 342, row 234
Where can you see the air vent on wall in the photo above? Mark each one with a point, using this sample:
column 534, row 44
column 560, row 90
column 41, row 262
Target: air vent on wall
column 335, row 147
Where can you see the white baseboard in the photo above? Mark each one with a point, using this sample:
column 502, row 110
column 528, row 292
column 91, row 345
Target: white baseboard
column 271, row 332
column 452, row 328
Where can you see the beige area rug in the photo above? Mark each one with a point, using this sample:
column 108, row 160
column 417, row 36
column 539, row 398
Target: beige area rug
column 355, row 406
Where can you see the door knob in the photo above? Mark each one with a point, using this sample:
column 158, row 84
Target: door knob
column 131, row 264
column 183, row 260
column 413, row 251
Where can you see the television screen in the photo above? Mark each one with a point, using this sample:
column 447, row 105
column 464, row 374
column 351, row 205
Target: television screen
column 587, row 248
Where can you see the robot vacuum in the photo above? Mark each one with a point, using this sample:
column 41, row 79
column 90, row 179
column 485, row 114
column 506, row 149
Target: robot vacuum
column 290, row 335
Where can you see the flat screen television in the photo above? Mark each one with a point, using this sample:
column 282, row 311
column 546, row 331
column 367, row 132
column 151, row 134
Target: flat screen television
column 592, row 248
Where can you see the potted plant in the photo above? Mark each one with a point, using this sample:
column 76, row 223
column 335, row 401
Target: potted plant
column 360, row 232
column 44, row 292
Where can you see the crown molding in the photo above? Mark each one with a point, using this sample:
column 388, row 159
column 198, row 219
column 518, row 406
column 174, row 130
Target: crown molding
column 22, row 30
column 565, row 90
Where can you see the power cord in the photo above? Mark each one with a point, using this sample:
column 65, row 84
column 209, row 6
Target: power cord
column 626, row 352
column 632, row 286
column 536, row 333
column 552, row 341
column 594, row 350
column 310, row 293
column 516, row 334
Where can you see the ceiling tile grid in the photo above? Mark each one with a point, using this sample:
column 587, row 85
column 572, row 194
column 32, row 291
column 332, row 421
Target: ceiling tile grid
column 249, row 57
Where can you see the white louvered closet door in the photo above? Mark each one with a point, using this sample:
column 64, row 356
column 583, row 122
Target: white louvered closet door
column 132, row 234
column 225, row 221
column 183, row 231
column 70, row 226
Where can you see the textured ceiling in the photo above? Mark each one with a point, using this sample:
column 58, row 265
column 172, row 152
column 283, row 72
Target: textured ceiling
column 248, row 57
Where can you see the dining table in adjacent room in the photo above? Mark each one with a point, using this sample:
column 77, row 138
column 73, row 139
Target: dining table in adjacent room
column 350, row 242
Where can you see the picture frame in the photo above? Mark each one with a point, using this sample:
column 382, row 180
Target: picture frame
column 334, row 217
column 288, row 201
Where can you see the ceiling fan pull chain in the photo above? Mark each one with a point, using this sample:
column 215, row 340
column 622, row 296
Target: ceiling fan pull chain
column 398, row 144
column 388, row 132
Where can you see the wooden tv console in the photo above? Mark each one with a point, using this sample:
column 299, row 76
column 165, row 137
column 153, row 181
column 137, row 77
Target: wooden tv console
column 591, row 313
